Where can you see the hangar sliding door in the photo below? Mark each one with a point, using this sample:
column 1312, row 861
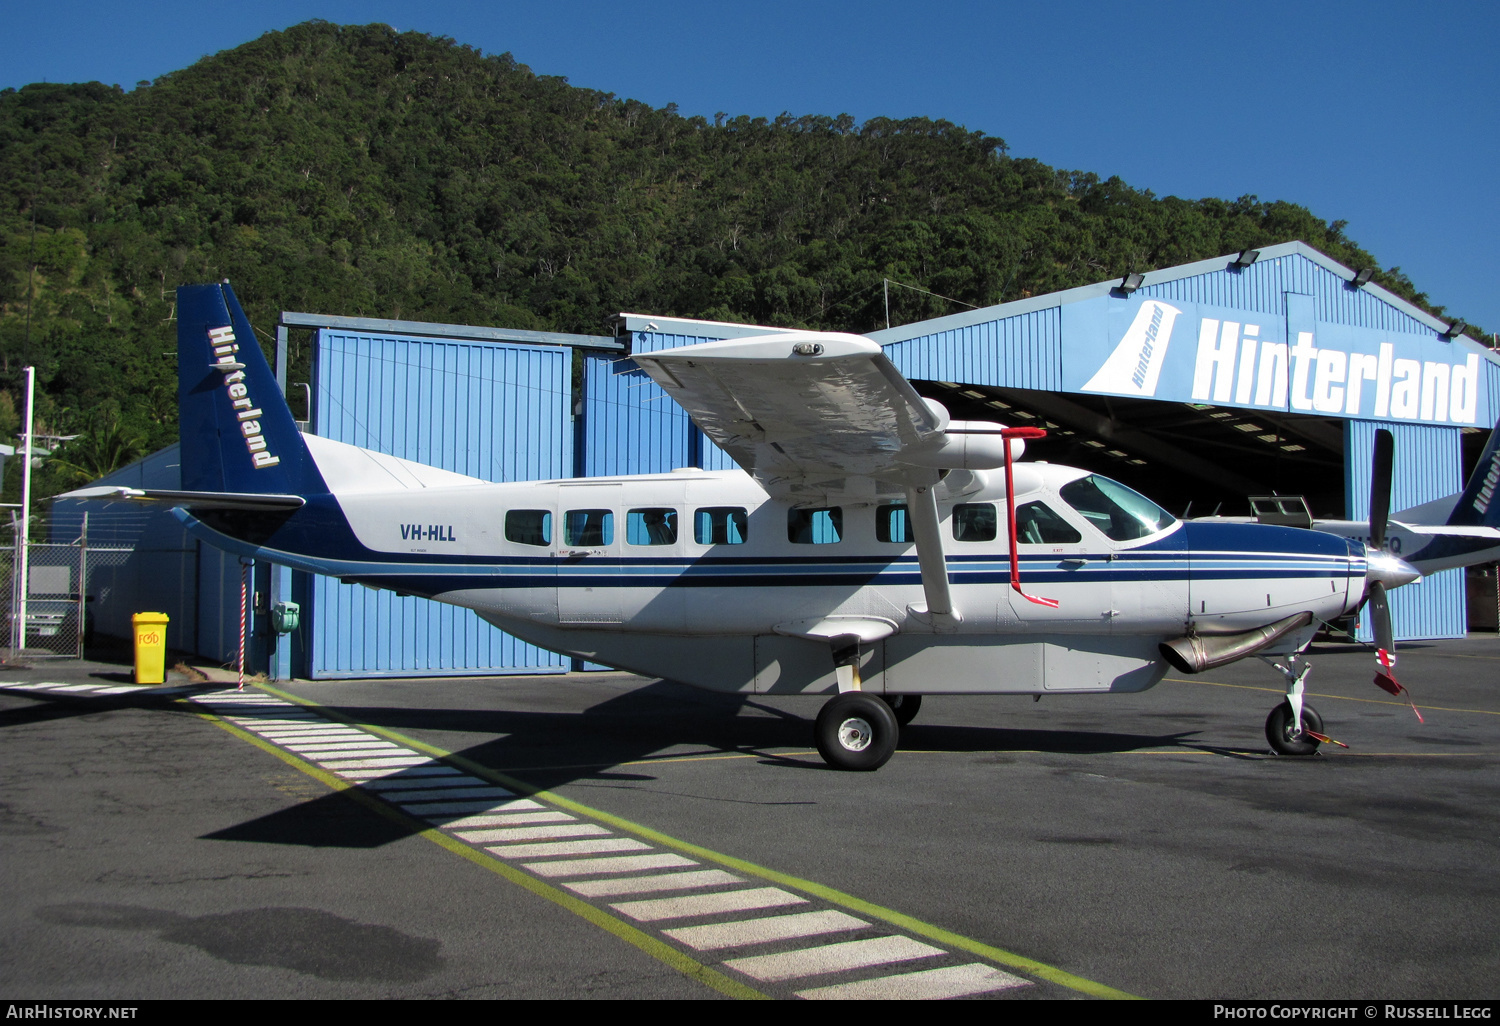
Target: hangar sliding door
column 496, row 411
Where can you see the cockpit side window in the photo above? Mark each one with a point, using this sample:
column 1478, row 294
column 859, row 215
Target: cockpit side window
column 1121, row 513
column 1036, row 524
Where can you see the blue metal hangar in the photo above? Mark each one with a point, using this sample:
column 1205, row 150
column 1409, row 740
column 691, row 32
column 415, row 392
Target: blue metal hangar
column 1250, row 374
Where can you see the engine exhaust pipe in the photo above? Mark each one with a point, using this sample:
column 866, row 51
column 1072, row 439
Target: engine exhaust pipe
column 1194, row 653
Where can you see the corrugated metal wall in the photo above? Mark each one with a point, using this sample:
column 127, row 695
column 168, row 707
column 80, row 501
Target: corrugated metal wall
column 500, row 412
column 630, row 425
column 1428, row 465
column 1024, row 351
column 1263, row 286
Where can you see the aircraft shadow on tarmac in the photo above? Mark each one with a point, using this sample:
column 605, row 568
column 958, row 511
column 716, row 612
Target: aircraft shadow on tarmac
column 614, row 740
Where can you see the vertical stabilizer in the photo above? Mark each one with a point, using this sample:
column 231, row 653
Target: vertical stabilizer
column 1479, row 505
column 237, row 433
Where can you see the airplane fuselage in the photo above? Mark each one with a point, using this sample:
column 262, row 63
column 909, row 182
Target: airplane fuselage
column 701, row 577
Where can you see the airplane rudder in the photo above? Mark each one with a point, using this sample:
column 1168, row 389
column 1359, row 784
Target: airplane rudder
column 1479, row 504
column 237, row 432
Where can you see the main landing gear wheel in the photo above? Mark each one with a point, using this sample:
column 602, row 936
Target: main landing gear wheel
column 904, row 706
column 1281, row 731
column 856, row 731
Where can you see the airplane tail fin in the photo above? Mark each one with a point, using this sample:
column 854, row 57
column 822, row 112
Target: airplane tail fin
column 237, row 432
column 1477, row 505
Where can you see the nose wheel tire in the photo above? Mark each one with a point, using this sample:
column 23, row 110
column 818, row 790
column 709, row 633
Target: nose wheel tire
column 1281, row 731
column 904, row 706
column 855, row 731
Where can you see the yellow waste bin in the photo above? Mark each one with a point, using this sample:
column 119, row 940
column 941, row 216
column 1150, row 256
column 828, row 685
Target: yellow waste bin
column 150, row 647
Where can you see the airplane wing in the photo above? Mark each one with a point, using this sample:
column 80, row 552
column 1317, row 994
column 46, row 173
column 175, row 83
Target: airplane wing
column 806, row 414
column 189, row 500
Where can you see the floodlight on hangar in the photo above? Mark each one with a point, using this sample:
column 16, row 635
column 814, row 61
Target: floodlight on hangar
column 1455, row 329
column 1246, row 258
column 1362, row 278
column 1131, row 282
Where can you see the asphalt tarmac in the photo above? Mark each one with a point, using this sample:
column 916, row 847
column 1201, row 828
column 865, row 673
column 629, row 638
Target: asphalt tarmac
column 1080, row 846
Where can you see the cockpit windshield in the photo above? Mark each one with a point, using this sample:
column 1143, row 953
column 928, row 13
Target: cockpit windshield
column 1121, row 513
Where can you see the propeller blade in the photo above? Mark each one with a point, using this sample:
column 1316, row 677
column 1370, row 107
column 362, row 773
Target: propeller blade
column 1380, row 620
column 1380, row 486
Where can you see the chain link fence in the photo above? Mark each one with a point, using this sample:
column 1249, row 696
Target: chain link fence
column 47, row 589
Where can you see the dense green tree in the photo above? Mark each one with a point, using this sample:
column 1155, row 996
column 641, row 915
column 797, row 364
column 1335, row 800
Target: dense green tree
column 357, row 170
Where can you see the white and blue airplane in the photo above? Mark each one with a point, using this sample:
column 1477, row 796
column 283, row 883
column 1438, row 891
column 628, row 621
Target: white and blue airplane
column 871, row 550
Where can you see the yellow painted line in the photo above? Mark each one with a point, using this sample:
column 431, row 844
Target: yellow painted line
column 659, row 950
column 1342, row 698
column 648, row 762
column 1041, row 970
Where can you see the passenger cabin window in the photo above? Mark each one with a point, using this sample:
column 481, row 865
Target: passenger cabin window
column 823, row 526
column 589, row 527
column 1036, row 524
column 529, row 526
column 651, row 527
column 720, row 525
column 893, row 523
column 974, row 522
column 1121, row 513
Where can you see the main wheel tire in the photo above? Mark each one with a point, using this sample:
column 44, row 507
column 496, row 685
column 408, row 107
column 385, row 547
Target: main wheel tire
column 904, row 706
column 1280, row 730
column 856, row 731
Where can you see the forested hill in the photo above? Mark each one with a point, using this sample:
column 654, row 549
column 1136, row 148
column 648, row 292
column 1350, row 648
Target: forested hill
column 355, row 170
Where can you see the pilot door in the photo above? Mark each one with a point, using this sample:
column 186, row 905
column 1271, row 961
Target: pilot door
column 1059, row 560
column 588, row 554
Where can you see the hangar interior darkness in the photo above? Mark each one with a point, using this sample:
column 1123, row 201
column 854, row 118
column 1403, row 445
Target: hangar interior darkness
column 1193, row 459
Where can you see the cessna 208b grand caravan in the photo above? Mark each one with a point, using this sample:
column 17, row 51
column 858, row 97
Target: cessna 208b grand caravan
column 871, row 549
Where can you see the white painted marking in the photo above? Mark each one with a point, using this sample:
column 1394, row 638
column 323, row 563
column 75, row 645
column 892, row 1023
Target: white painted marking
column 654, row 909
column 400, row 772
column 78, row 687
column 482, row 791
column 592, row 846
column 335, row 747
column 514, row 818
column 309, row 736
column 763, row 931
column 30, row 687
column 541, row 833
column 504, row 814
column 301, row 722
column 656, row 882
column 618, row 864
column 927, row 985
column 386, row 763
column 120, row 690
column 832, row 958
column 406, row 783
column 437, row 810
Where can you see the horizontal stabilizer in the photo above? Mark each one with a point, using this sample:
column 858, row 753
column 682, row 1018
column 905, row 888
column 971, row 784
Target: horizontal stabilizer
column 189, row 500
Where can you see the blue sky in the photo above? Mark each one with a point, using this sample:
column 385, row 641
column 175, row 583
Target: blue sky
column 1382, row 114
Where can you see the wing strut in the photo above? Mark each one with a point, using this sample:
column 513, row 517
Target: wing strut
column 921, row 504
